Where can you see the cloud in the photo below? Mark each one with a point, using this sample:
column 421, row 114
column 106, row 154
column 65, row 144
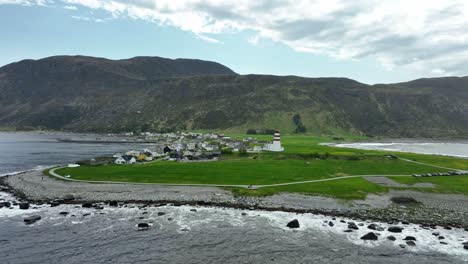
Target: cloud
column 424, row 37
column 254, row 40
column 70, row 7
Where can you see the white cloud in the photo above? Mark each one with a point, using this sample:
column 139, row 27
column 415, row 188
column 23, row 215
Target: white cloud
column 254, row 40
column 81, row 18
column 393, row 32
column 70, row 7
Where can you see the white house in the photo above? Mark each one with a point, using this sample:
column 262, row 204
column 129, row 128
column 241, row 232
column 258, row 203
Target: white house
column 275, row 145
column 120, row 160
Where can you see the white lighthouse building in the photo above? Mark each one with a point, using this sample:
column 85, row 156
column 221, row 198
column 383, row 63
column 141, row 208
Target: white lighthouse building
column 276, row 144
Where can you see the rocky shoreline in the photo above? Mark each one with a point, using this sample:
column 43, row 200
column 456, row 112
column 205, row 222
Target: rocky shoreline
column 424, row 209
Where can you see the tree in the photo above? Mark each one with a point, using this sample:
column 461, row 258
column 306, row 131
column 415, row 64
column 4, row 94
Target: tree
column 251, row 131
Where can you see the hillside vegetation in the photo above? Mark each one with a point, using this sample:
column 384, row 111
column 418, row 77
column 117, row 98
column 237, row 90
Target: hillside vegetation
column 88, row 94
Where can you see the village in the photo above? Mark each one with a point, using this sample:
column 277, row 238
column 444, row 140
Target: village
column 186, row 147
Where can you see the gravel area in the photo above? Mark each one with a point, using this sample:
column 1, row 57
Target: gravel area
column 387, row 182
column 430, row 209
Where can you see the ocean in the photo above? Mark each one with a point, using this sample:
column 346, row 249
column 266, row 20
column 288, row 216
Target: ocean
column 186, row 234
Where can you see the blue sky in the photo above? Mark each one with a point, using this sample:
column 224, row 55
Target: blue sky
column 293, row 46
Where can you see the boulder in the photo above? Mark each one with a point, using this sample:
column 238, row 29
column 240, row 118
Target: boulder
column 410, row 243
column 465, row 246
column 441, row 237
column 24, row 206
column 369, row 236
column 391, row 238
column 331, row 223
column 63, row 213
column 293, row 224
column 395, row 229
column 87, row 205
column 375, row 227
column 54, row 203
column 244, row 214
column 113, row 203
column 32, row 219
column 436, row 234
column 6, row 204
column 161, row 213
column 143, row 226
column 352, row 225
column 409, row 238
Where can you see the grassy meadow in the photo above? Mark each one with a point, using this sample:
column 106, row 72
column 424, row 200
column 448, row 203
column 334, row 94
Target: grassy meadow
column 304, row 159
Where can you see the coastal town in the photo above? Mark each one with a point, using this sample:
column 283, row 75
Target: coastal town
column 185, row 147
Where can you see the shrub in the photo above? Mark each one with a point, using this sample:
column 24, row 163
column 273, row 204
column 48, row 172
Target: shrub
column 226, row 151
column 242, row 151
column 251, row 131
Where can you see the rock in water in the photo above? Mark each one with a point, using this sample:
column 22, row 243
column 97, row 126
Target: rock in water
column 293, row 224
column 24, row 206
column 63, row 213
column 54, row 203
column 410, row 238
column 391, row 238
column 161, row 213
column 375, row 227
column 32, row 219
column 410, row 243
column 6, row 204
column 193, row 210
column 143, row 226
column 352, row 225
column 369, row 236
column 395, row 229
column 87, row 205
column 113, row 203
column 331, row 223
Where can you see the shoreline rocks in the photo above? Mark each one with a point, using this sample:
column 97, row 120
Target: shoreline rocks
column 31, row 219
column 293, row 224
column 370, row 236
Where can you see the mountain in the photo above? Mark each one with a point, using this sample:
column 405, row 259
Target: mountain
column 88, row 94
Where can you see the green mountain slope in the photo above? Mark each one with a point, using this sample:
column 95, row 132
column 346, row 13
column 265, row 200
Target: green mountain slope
column 155, row 94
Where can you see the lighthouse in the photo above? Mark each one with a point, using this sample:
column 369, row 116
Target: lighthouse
column 276, row 144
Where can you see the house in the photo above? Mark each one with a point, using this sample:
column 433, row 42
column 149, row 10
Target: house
column 142, row 157
column 129, row 159
column 167, row 149
column 120, row 160
column 133, row 153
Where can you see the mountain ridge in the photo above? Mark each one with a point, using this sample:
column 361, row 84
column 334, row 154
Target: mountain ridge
column 85, row 94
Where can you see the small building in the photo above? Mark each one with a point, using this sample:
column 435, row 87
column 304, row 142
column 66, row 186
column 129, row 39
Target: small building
column 120, row 161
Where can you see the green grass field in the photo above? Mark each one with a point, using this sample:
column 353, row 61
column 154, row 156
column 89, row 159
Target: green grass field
column 297, row 163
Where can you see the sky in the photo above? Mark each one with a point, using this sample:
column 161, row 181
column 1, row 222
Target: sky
column 371, row 41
